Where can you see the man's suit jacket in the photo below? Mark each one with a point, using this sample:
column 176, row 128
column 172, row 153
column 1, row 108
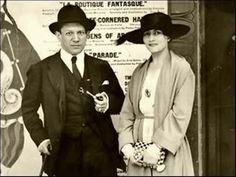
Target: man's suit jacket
column 45, row 86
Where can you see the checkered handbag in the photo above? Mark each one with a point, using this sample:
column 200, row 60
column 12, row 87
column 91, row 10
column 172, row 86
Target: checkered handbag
column 139, row 148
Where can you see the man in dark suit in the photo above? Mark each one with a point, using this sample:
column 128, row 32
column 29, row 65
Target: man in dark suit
column 77, row 133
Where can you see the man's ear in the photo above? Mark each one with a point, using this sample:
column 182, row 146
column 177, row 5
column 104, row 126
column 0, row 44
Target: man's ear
column 58, row 34
column 87, row 34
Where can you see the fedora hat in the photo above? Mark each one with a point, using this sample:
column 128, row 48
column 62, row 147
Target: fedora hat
column 159, row 21
column 70, row 14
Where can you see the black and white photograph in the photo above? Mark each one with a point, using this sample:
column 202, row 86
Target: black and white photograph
column 117, row 88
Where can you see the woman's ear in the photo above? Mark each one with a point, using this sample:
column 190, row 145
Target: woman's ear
column 168, row 38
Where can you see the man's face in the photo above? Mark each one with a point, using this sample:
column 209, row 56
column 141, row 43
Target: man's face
column 73, row 37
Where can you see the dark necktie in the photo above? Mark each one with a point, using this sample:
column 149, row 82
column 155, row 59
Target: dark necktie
column 76, row 72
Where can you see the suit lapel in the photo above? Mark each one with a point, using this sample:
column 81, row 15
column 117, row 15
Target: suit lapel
column 55, row 71
column 93, row 73
column 56, row 77
column 138, row 84
column 94, row 76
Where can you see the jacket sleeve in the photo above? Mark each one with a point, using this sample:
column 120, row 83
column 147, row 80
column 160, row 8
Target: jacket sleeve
column 127, row 119
column 171, row 134
column 31, row 103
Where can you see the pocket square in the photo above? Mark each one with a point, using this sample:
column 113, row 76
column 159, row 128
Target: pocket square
column 105, row 82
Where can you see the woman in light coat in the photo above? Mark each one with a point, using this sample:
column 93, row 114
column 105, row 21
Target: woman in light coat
column 158, row 104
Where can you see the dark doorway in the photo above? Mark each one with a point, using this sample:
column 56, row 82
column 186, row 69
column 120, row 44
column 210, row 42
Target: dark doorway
column 218, row 73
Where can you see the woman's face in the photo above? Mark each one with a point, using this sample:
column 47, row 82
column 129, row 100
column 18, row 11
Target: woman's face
column 155, row 40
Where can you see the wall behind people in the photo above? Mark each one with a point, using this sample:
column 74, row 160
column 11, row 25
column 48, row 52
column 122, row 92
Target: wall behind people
column 17, row 54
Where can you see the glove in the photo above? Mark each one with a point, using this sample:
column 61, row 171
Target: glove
column 127, row 150
column 151, row 155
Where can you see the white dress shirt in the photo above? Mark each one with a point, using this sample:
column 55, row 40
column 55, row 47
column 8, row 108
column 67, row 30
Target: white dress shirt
column 66, row 58
column 146, row 105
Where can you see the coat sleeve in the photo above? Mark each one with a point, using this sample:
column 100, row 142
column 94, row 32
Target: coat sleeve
column 171, row 134
column 31, row 103
column 127, row 118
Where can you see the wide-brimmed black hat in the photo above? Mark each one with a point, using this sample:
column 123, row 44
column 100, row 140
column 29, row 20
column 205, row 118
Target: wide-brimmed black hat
column 159, row 21
column 70, row 14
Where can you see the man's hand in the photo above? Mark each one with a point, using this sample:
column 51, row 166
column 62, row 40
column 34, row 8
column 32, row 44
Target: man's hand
column 45, row 147
column 101, row 102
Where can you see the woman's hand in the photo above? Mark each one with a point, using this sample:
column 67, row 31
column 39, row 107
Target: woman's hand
column 151, row 155
column 128, row 151
column 136, row 162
